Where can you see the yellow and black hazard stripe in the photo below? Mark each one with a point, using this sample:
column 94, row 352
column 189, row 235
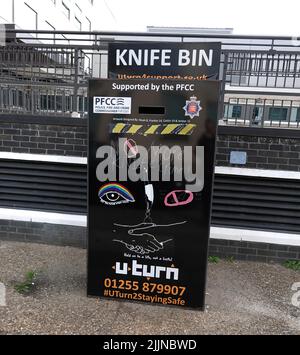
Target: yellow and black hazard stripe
column 159, row 129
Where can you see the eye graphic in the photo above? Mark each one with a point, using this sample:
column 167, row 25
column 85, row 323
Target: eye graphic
column 115, row 194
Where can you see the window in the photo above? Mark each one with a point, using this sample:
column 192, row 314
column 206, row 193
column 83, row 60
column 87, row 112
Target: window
column 233, row 111
column 33, row 14
column 52, row 29
column 78, row 24
column 236, row 111
column 66, row 10
column 78, row 7
column 257, row 114
column 13, row 11
column 298, row 115
column 49, row 24
column 89, row 24
column 278, row 114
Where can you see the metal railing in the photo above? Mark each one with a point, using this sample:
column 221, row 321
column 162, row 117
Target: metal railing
column 47, row 72
column 266, row 112
column 263, row 69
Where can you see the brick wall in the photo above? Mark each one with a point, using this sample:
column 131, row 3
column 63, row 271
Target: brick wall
column 261, row 252
column 266, row 148
column 43, row 139
column 275, row 153
column 76, row 237
column 42, row 233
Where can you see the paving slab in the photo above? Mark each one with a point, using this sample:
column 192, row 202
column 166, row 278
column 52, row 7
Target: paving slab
column 242, row 298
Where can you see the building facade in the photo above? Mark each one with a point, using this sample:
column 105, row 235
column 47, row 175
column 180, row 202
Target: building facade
column 51, row 15
column 43, row 142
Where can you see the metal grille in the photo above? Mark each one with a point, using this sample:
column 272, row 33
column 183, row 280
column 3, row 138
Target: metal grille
column 43, row 186
column 256, row 203
column 244, row 202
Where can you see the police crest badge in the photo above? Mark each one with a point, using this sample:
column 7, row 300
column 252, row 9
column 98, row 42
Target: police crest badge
column 192, row 107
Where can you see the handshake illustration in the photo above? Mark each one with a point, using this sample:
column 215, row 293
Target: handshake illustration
column 144, row 238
